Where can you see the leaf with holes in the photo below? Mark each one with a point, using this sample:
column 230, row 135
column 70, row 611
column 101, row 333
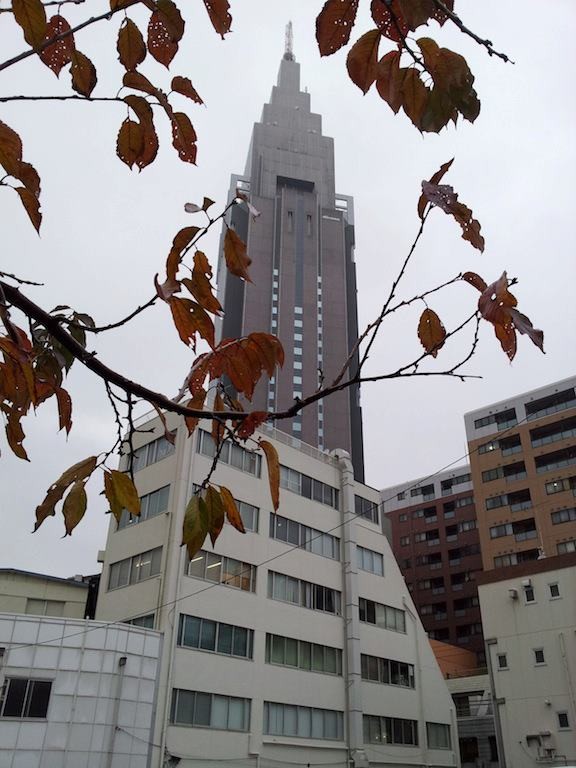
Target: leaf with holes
column 195, row 525
column 444, row 197
column 423, row 200
column 197, row 403
column 417, row 12
column 431, row 332
column 15, row 435
column 440, row 15
column 130, row 46
column 183, row 85
column 251, row 423
column 31, row 17
column 200, row 286
column 389, row 19
column 273, row 471
column 237, row 260
column 143, row 111
column 218, row 10
column 83, row 74
column 231, row 509
column 524, row 325
column 130, row 142
column 31, row 206
column 190, row 319
column 80, row 471
column 184, row 137
column 475, row 280
column 334, row 24
column 59, row 53
column 362, row 60
column 74, row 507
column 165, row 30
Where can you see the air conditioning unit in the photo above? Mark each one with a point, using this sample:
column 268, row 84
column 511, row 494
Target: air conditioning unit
column 526, row 582
column 513, row 594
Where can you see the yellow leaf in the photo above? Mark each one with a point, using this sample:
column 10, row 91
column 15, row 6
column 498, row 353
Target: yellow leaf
column 74, row 507
column 273, row 471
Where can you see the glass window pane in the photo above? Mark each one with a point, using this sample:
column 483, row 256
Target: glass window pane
column 202, row 708
column 279, row 586
column 317, row 724
column 184, row 708
column 240, row 644
column 317, row 658
column 236, row 456
column 278, row 649
column 293, row 535
column 330, row 724
column 290, row 720
column 231, row 572
column 124, row 568
column 197, row 565
column 208, row 635
column 225, row 638
column 390, row 618
column 190, row 631
column 247, row 576
column 219, row 714
column 238, row 714
column 394, row 673
column 291, row 652
column 155, row 561
column 292, row 590
column 330, row 660
column 304, row 722
column 15, row 698
column 374, row 730
column 213, row 567
column 274, row 718
column 380, row 614
column 305, row 658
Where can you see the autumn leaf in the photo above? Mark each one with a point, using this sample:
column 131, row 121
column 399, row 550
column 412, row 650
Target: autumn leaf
column 273, row 471
column 31, row 17
column 431, row 332
column 423, row 200
column 452, row 76
column 165, row 30
column 125, row 491
column 416, row 12
column 414, row 96
column 64, row 409
column 195, row 525
column 83, row 74
column 139, row 82
column 190, row 319
column 80, row 471
column 183, row 86
column 74, row 507
column 15, row 436
column 130, row 46
column 218, row 425
column 31, row 206
column 523, row 325
column 334, row 24
column 143, row 111
column 10, row 146
column 389, row 79
column 231, row 509
column 184, row 137
column 475, row 280
column 215, row 509
column 59, row 53
column 169, row 434
column 200, row 286
column 237, row 260
column 389, row 19
column 251, row 423
column 196, row 402
column 444, row 197
column 362, row 61
column 218, row 10
column 130, row 142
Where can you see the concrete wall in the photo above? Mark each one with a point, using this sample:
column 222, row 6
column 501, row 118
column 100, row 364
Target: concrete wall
column 63, row 597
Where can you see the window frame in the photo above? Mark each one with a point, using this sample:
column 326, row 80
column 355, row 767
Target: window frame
column 27, row 698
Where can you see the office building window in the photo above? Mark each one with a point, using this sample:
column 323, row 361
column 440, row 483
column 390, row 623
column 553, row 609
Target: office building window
column 300, row 654
column 387, row 671
column 305, row 537
column 304, row 722
column 404, row 541
column 208, row 710
column 563, row 721
column 539, row 656
column 231, row 454
column 135, row 569
column 368, row 560
column 25, row 698
column 438, row 735
column 152, row 452
column 366, row 509
column 151, row 505
column 559, row 401
column 390, row 730
column 557, row 486
column 38, row 607
column 303, row 593
column 563, row 516
column 516, row 557
column 146, row 622
column 223, row 570
column 306, row 486
column 566, row 546
column 502, row 660
column 215, row 636
column 554, row 590
column 529, row 595
column 383, row 616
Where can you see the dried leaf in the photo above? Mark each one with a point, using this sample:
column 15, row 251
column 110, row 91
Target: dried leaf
column 31, row 205
column 253, row 211
column 58, row 54
column 362, row 61
column 237, row 260
column 389, row 79
column 169, row 434
column 273, row 471
column 125, row 491
column 64, row 409
column 443, row 196
column 414, row 97
column 143, row 111
column 475, row 280
column 183, row 85
column 10, row 146
column 184, row 137
column 523, row 325
column 130, row 142
column 218, row 10
column 165, row 30
column 200, row 286
column 389, row 19
column 15, row 436
column 195, row 526
column 417, row 12
column 334, row 25
column 28, row 175
column 231, row 510
column 215, row 510
column 80, row 471
column 431, row 332
column 423, row 200
column 83, row 74
column 139, row 82
column 196, row 402
column 190, row 319
column 74, row 507
column 31, row 16
column 218, row 425
column 130, row 46
column 251, row 423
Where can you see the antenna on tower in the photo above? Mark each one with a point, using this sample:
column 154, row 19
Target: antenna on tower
column 289, row 42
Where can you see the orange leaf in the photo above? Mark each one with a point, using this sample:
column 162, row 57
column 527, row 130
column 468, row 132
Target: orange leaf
column 183, row 85
column 190, row 319
column 31, row 205
column 196, row 402
column 334, row 25
column 184, row 137
column 273, row 471
column 125, row 491
column 237, row 260
column 130, row 46
column 506, row 335
column 83, row 74
column 219, row 15
column 130, row 142
column 231, row 510
column 362, row 61
column 58, row 54
column 31, row 16
column 218, row 430
column 200, row 286
column 431, row 332
column 251, row 423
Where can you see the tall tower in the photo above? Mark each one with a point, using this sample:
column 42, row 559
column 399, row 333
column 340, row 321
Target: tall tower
column 303, row 271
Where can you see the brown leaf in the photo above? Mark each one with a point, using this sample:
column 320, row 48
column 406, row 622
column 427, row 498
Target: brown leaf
column 130, row 46
column 196, row 402
column 231, row 510
column 130, row 142
column 139, row 82
column 523, row 325
column 251, row 423
column 184, row 137
column 414, row 96
column 334, row 24
column 506, row 335
column 273, row 471
column 417, row 12
column 80, row 471
column 110, row 492
column 218, row 425
column 31, row 205
column 28, row 175
column 200, row 286
column 452, row 76
column 64, row 409
column 190, row 319
column 389, row 19
column 431, row 332
column 215, row 510
column 165, row 30
column 169, row 434
column 167, row 289
column 143, row 111
column 423, row 201
column 10, row 146
column 15, row 436
column 362, row 60
column 218, row 10
column 475, row 280
column 195, row 526
column 237, row 260
column 125, row 491
column 74, row 507
column 443, row 196
column 31, row 16
column 83, row 74
column 439, row 15
column 58, row 54
column 183, row 85
column 389, row 79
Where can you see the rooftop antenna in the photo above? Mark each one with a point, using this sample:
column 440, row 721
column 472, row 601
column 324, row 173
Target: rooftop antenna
column 289, row 43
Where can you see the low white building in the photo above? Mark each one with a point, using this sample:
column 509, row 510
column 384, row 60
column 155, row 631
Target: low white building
column 76, row 693
column 529, row 619
column 296, row 643
column 39, row 594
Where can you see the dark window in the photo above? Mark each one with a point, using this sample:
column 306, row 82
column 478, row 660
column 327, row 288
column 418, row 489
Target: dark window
column 563, row 721
column 469, row 749
column 493, row 749
column 26, row 698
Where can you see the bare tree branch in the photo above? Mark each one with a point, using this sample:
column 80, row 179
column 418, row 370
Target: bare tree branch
column 455, row 19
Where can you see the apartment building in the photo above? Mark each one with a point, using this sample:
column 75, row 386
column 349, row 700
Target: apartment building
column 297, row 642
column 435, row 540
column 523, row 465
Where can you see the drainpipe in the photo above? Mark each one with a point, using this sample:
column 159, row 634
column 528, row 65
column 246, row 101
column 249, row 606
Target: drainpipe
column 421, row 718
column 352, row 670
column 495, row 702
column 568, row 673
column 114, row 724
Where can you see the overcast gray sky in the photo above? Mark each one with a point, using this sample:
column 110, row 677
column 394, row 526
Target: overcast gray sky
column 107, row 231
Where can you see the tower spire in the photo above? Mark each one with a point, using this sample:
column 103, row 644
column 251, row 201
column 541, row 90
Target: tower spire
column 289, row 42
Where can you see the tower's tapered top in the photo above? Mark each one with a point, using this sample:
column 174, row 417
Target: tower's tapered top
column 289, row 43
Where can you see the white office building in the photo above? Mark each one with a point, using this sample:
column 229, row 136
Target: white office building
column 296, row 643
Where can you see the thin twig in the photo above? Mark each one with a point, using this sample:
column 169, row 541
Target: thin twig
column 50, row 2
column 455, row 19
column 20, row 280
column 62, row 98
